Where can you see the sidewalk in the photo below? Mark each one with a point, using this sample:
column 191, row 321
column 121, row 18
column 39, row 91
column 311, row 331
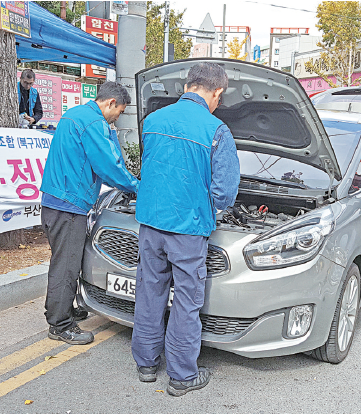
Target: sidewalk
column 23, row 285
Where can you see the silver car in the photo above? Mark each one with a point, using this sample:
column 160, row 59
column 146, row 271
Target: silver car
column 283, row 264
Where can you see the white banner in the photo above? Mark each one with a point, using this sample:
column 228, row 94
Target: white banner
column 23, row 153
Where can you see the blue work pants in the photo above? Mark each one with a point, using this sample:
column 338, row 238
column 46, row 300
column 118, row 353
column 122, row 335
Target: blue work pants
column 163, row 256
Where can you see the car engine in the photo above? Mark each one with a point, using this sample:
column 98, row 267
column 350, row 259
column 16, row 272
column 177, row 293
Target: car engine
column 253, row 216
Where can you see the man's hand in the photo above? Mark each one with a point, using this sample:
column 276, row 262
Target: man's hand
column 29, row 118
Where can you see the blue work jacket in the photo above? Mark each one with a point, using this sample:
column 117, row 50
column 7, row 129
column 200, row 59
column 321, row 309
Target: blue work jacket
column 33, row 93
column 177, row 192
column 82, row 155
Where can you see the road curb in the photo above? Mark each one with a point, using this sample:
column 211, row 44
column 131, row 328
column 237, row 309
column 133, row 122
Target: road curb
column 22, row 285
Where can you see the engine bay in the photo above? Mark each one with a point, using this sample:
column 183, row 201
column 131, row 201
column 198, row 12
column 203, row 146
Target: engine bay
column 253, row 216
column 253, row 211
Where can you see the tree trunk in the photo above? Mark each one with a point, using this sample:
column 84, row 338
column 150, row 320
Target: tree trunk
column 12, row 239
column 9, row 112
column 9, row 106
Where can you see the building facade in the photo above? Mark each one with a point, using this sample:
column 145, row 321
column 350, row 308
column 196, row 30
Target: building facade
column 278, row 33
column 231, row 33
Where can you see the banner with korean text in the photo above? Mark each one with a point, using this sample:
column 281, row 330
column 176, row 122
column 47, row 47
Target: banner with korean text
column 70, row 95
column 49, row 88
column 23, row 153
column 15, row 17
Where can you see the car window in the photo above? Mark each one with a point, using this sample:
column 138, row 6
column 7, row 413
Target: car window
column 329, row 97
column 278, row 168
column 338, row 101
column 344, row 147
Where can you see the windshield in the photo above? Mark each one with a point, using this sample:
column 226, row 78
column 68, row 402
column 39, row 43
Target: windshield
column 272, row 167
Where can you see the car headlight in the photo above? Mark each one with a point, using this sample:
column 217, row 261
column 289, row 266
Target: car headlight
column 90, row 221
column 294, row 243
column 103, row 201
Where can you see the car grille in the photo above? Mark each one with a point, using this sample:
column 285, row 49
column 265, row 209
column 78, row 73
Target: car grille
column 121, row 246
column 100, row 296
column 223, row 326
column 212, row 324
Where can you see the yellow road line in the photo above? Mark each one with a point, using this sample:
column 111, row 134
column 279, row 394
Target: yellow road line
column 35, row 372
column 39, row 348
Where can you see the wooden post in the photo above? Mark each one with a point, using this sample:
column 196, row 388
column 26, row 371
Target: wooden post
column 63, row 10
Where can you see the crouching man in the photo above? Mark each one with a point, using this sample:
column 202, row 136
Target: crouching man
column 82, row 155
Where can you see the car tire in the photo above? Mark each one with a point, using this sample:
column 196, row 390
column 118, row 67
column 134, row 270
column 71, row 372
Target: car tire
column 344, row 321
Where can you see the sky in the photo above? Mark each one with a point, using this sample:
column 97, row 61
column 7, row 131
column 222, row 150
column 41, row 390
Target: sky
column 260, row 16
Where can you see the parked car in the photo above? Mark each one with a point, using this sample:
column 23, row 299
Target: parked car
column 284, row 262
column 345, row 99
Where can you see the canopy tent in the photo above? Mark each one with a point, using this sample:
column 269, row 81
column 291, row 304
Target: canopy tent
column 57, row 40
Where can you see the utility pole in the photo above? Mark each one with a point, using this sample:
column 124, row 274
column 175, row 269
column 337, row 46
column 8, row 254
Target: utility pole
column 166, row 32
column 223, row 29
column 63, row 10
column 130, row 60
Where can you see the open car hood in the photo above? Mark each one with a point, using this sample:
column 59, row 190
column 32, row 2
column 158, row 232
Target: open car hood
column 267, row 110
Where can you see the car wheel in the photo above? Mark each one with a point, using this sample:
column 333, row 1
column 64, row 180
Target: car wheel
column 343, row 324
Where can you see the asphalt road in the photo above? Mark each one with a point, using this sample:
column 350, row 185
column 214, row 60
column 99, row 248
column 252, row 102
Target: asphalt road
column 101, row 378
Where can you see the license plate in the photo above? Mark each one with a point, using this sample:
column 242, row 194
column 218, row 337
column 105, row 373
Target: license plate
column 125, row 287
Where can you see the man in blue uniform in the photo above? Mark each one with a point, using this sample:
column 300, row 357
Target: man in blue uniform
column 82, row 155
column 29, row 100
column 190, row 168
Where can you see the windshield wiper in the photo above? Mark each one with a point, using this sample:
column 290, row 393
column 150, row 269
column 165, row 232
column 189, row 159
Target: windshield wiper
column 281, row 183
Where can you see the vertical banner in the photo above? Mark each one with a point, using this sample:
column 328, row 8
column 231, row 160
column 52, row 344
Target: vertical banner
column 23, row 154
column 106, row 30
column 88, row 92
column 15, row 17
column 49, row 90
column 71, row 92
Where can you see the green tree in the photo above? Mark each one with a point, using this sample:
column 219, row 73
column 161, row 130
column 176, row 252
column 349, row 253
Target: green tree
column 72, row 15
column 235, row 49
column 132, row 152
column 340, row 22
column 155, row 35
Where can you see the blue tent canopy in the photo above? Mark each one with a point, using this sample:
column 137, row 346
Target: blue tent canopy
column 57, row 40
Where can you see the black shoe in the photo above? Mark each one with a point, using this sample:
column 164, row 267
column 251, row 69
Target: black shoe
column 72, row 335
column 147, row 374
column 79, row 314
column 178, row 388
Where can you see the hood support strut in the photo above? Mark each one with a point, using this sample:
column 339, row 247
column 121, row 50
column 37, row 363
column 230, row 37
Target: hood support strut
column 331, row 173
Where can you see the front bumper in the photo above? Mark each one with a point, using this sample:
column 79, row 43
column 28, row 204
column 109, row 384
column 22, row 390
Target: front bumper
column 245, row 311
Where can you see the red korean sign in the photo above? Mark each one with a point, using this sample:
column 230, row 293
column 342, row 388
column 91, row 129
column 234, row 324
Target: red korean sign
column 106, row 30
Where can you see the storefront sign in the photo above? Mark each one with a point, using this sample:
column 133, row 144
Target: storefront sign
column 88, row 92
column 106, row 30
column 315, row 57
column 49, row 90
column 15, row 17
column 70, row 95
column 23, row 154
